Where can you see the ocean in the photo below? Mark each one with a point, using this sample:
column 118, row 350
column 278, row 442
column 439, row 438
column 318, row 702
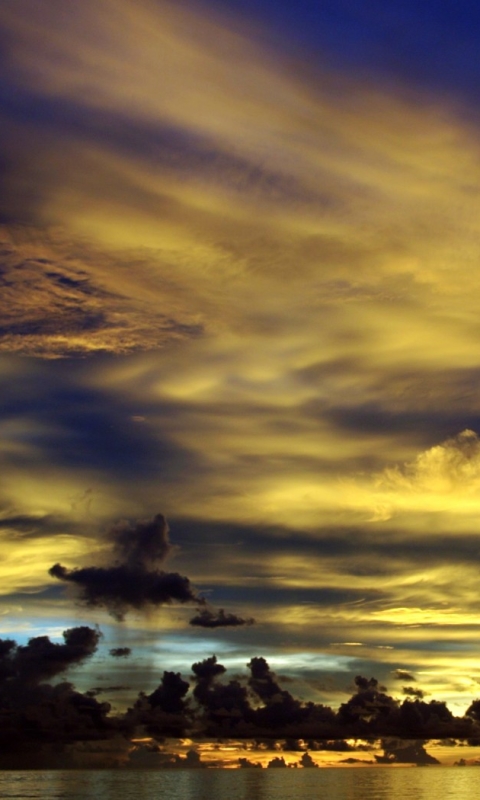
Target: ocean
column 364, row 783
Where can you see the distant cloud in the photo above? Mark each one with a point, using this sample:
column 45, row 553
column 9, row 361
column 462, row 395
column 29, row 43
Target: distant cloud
column 206, row 618
column 120, row 652
column 42, row 659
column 206, row 705
column 413, row 692
column 403, row 675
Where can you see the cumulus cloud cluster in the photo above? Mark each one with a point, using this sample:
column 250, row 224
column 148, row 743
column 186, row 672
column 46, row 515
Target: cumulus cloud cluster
column 40, row 720
column 50, row 724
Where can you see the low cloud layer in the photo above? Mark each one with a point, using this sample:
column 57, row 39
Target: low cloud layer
column 59, row 722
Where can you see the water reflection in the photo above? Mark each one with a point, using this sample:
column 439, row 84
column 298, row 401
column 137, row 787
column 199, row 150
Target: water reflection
column 401, row 783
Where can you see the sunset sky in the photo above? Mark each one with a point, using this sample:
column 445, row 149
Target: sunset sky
column 240, row 288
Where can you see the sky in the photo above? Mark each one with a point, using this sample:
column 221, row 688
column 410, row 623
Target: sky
column 239, row 359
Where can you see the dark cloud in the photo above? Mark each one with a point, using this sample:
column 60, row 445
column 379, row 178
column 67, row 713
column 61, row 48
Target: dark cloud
column 135, row 581
column 77, row 425
column 142, row 544
column 205, row 673
column 245, row 763
column 254, row 708
column 277, row 762
column 401, row 752
column 122, row 588
column 422, row 427
column 166, row 711
column 120, row 652
column 335, row 745
column 400, row 547
column 307, row 761
column 411, row 691
column 42, row 659
column 223, row 707
column 206, row 618
column 39, row 720
column 473, row 711
column 170, row 695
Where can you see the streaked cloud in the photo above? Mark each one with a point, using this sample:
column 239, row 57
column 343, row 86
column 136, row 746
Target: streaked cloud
column 243, row 293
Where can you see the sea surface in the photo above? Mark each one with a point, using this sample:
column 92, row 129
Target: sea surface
column 364, row 783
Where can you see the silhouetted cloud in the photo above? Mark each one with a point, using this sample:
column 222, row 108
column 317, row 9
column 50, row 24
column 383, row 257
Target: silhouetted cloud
column 245, row 763
column 206, row 618
column 165, row 711
column 103, row 689
column 121, row 588
column 411, row 691
column 277, row 762
column 40, row 720
column 142, row 544
column 307, row 761
column 135, row 581
column 207, row 705
column 405, row 752
column 41, row 659
column 120, row 652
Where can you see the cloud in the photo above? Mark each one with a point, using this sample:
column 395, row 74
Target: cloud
column 226, row 183
column 165, row 711
column 141, row 544
column 398, row 752
column 206, row 618
column 120, row 652
column 308, row 244
column 450, row 467
column 122, row 588
column 276, row 762
column 411, row 691
column 52, row 306
column 403, row 675
column 41, row 659
column 41, row 720
column 254, row 709
column 245, row 763
column 135, row 581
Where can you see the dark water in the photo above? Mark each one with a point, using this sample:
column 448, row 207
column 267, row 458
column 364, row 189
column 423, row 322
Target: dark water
column 402, row 783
